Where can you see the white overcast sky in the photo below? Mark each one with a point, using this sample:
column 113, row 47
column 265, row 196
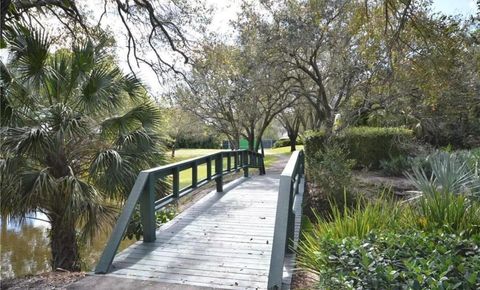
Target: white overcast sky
column 226, row 10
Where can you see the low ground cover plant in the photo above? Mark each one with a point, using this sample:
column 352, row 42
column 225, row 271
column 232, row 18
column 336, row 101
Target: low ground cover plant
column 409, row 260
column 430, row 241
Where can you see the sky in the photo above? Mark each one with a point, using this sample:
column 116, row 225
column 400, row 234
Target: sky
column 226, row 10
column 454, row 7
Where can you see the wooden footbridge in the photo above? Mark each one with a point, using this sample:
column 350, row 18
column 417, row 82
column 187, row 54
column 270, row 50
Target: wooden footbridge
column 239, row 236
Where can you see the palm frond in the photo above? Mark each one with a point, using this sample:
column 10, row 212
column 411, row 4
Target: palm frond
column 147, row 116
column 29, row 49
column 101, row 90
column 67, row 122
column 34, row 142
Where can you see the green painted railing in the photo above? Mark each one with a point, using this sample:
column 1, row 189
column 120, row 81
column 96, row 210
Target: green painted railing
column 291, row 182
column 144, row 191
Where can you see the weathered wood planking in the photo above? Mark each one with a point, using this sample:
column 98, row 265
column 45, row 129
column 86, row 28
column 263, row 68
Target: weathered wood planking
column 223, row 241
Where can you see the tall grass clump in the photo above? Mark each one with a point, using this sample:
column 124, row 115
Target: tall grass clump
column 449, row 196
column 380, row 215
column 447, row 212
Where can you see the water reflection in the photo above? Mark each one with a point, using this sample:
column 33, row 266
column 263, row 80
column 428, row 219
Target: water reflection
column 24, row 248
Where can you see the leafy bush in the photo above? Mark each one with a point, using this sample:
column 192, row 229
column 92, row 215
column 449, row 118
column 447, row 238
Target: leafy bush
column 411, row 260
column 369, row 145
column 313, row 141
column 199, row 141
column 366, row 145
column 286, row 142
column 396, row 166
column 135, row 229
column 331, row 170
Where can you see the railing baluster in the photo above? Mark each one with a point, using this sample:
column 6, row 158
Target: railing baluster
column 209, row 168
column 229, row 162
column 219, row 172
column 194, row 174
column 147, row 210
column 235, row 160
column 176, row 182
column 245, row 163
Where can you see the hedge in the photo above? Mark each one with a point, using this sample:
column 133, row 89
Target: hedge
column 367, row 145
column 286, row 142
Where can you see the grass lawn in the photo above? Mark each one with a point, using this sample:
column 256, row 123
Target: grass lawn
column 184, row 154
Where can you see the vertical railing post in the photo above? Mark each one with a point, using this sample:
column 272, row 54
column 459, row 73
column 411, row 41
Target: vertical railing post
column 175, row 182
column 209, row 168
column 262, row 165
column 219, row 172
column 290, row 222
column 194, row 174
column 245, row 163
column 147, row 210
column 235, row 160
column 229, row 161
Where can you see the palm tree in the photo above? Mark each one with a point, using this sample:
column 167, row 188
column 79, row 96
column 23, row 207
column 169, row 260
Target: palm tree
column 75, row 132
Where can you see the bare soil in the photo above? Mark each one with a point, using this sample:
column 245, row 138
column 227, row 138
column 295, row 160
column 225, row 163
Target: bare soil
column 373, row 182
column 47, row 281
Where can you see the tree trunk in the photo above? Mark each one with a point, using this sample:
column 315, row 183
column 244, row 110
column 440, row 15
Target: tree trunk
column 63, row 243
column 173, row 150
column 293, row 142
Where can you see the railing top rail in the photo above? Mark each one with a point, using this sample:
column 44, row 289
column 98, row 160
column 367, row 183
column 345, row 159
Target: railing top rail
column 292, row 165
column 179, row 163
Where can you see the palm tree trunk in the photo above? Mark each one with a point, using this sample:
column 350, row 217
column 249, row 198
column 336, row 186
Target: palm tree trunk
column 63, row 243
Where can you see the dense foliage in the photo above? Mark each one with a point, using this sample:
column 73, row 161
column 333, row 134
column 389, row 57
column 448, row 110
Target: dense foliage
column 369, row 145
column 410, row 260
column 75, row 133
column 428, row 241
column 286, row 142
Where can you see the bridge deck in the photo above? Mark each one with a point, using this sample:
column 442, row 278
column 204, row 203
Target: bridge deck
column 222, row 241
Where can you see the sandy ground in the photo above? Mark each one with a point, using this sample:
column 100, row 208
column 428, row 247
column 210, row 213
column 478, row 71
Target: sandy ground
column 47, row 281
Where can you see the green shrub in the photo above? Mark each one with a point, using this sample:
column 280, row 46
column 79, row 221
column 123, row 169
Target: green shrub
column 313, row 141
column 135, row 228
column 410, row 260
column 396, row 166
column 286, row 142
column 369, row 145
column 447, row 212
column 331, row 170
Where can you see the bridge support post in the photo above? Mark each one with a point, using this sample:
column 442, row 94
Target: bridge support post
column 219, row 172
column 147, row 210
column 245, row 163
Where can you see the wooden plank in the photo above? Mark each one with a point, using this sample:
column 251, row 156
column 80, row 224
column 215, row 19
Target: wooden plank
column 192, row 265
column 214, row 273
column 186, row 282
column 222, row 241
column 252, row 259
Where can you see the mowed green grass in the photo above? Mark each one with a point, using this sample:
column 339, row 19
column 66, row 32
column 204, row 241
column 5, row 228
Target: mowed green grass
column 184, row 154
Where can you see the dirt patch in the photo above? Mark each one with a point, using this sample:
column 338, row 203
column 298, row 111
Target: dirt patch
column 47, row 281
column 373, row 182
column 303, row 280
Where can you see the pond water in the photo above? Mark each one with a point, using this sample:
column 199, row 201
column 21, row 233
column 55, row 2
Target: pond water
column 24, row 248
